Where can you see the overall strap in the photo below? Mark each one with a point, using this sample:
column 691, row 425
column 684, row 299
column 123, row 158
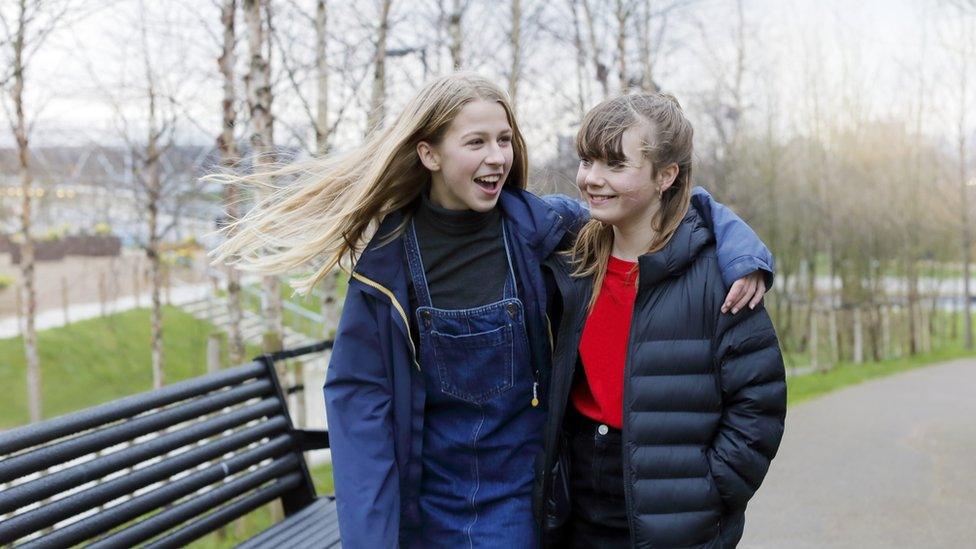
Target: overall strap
column 416, row 265
column 511, row 289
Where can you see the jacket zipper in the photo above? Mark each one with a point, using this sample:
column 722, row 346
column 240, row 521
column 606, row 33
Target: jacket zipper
column 547, row 471
column 396, row 305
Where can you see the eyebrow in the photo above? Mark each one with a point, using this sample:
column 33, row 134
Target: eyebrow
column 484, row 132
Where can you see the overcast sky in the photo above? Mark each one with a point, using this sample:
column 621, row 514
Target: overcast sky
column 864, row 58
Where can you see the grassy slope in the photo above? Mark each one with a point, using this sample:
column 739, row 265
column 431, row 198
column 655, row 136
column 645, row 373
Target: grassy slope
column 94, row 361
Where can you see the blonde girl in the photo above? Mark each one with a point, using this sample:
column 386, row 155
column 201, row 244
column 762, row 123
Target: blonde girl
column 436, row 390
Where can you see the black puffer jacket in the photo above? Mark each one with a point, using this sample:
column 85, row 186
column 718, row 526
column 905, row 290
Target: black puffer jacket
column 704, row 397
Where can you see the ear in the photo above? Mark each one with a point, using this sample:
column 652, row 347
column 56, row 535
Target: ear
column 666, row 177
column 428, row 156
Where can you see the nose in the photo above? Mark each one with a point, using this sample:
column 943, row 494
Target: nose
column 495, row 156
column 593, row 177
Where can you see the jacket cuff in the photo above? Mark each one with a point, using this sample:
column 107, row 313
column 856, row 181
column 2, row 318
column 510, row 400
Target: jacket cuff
column 746, row 265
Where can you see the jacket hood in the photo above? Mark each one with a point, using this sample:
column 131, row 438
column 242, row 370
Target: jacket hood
column 688, row 241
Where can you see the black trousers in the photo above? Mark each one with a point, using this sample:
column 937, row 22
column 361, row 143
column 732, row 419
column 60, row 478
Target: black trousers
column 599, row 511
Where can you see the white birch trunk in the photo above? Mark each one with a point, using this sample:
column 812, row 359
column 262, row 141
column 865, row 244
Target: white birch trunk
column 377, row 111
column 226, row 144
column 258, row 84
column 322, row 78
column 454, row 33
column 515, row 41
column 29, row 292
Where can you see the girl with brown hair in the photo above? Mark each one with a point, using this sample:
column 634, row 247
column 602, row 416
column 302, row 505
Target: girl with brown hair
column 664, row 412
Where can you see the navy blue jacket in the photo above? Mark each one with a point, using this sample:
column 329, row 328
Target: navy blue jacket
column 704, row 397
column 374, row 392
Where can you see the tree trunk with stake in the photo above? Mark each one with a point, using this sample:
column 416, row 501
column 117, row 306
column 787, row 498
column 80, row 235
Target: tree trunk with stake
column 226, row 144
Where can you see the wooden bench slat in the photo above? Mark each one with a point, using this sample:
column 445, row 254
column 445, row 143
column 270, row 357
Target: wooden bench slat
column 20, row 438
column 314, row 526
column 228, row 513
column 186, row 510
column 47, row 456
column 324, row 534
column 72, row 477
column 56, row 511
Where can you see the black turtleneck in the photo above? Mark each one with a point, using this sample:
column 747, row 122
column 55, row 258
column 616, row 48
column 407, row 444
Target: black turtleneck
column 463, row 255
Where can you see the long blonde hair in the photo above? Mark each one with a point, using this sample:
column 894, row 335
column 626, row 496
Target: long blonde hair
column 667, row 140
column 326, row 214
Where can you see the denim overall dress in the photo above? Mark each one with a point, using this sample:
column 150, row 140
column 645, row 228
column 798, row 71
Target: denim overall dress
column 482, row 422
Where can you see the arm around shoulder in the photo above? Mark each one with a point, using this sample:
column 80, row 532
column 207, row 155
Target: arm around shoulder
column 740, row 251
column 358, row 398
column 573, row 212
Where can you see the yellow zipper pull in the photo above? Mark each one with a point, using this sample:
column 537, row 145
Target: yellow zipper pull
column 535, row 394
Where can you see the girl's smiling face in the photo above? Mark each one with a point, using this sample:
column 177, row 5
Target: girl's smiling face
column 620, row 193
column 471, row 162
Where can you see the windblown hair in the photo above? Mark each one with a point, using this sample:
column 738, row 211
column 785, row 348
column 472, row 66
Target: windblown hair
column 334, row 203
column 667, row 139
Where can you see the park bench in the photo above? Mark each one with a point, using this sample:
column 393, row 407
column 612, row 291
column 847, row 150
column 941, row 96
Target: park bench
column 165, row 467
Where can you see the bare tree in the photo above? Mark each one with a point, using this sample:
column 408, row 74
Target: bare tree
column 644, row 47
column 515, row 40
column 963, row 55
column 330, row 303
column 153, row 185
column 454, row 31
column 226, row 144
column 622, row 14
column 326, row 77
column 322, row 78
column 24, row 39
column 596, row 52
column 259, row 97
column 378, row 98
column 580, row 59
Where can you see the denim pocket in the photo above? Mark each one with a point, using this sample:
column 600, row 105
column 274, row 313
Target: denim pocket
column 474, row 367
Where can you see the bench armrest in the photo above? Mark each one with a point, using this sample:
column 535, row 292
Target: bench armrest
column 311, row 440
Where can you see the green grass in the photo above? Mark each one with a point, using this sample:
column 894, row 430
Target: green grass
column 90, row 362
column 805, row 387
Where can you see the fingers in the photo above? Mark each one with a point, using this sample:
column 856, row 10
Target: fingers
column 748, row 291
column 735, row 292
column 760, row 292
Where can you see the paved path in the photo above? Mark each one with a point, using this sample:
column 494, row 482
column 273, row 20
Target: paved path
column 80, row 311
column 889, row 463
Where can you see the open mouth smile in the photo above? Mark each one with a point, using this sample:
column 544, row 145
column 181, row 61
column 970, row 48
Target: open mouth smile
column 489, row 183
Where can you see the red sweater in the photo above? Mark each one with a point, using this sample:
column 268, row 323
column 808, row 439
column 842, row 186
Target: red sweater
column 603, row 346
